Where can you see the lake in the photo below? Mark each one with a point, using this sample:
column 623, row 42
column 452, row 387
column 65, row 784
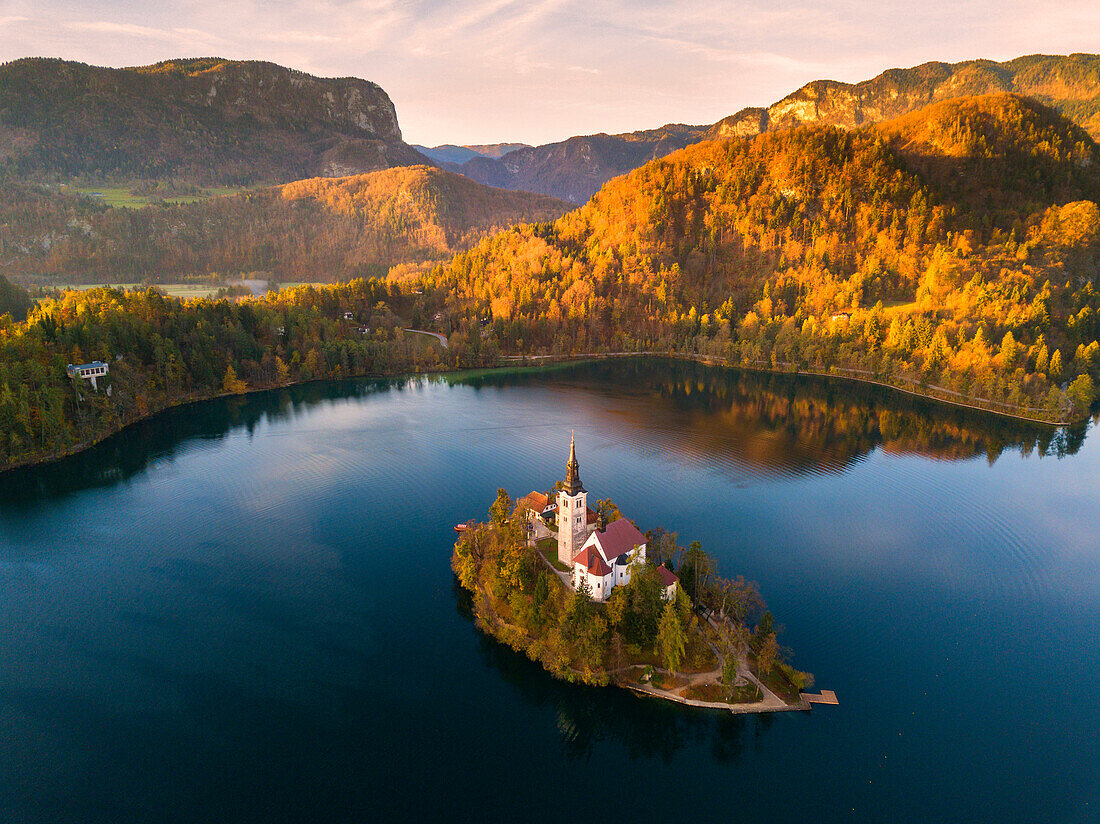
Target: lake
column 242, row 610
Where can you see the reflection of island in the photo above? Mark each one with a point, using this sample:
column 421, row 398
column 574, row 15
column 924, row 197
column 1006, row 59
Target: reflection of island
column 790, row 424
column 644, row 727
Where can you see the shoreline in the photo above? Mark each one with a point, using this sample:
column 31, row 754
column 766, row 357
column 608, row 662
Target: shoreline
column 536, row 362
column 715, row 361
column 521, row 642
column 770, row 702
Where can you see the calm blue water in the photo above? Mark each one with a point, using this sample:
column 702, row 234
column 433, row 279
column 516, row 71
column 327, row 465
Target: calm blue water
column 243, row 611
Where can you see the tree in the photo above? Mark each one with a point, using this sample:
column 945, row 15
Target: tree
column 671, row 638
column 729, row 670
column 695, row 569
column 767, row 653
column 501, row 507
column 1081, row 394
column 231, row 383
column 617, row 651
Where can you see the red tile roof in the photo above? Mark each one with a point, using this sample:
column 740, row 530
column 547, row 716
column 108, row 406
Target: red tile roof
column 535, row 501
column 667, row 578
column 590, row 559
column 590, row 516
column 619, row 537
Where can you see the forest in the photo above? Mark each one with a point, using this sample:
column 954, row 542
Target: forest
column 954, row 250
column 163, row 351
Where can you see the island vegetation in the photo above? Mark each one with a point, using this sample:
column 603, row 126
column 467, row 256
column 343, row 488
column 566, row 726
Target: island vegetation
column 712, row 642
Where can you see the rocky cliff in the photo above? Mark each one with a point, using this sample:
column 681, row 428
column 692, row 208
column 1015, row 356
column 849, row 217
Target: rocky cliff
column 209, row 120
column 1067, row 83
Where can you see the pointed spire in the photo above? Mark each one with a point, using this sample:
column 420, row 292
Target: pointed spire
column 572, row 469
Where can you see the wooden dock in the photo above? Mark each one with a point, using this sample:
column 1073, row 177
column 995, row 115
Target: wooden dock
column 826, row 697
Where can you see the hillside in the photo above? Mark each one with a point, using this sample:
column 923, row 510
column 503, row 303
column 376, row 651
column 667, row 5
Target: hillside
column 208, row 120
column 1067, row 83
column 954, row 248
column 315, row 229
column 576, row 168
column 14, row 300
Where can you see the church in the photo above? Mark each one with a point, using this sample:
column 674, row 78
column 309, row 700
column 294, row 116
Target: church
column 599, row 556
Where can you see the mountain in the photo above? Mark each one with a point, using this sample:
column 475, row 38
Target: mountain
column 314, row 229
column 498, row 150
column 450, row 153
column 576, row 168
column 207, row 120
column 1067, row 83
column 950, row 251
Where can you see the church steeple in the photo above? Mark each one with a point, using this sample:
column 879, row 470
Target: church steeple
column 572, row 517
column 572, row 470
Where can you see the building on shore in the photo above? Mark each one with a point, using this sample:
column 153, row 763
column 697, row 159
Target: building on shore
column 88, row 371
column 669, row 583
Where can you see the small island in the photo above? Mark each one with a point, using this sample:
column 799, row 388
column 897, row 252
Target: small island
column 590, row 597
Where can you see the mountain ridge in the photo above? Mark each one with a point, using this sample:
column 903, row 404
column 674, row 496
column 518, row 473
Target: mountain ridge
column 1068, row 83
column 210, row 120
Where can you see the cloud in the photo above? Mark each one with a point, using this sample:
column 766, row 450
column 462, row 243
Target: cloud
column 179, row 36
column 298, row 37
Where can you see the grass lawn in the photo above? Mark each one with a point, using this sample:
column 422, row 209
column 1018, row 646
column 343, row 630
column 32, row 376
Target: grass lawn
column 777, row 683
column 746, row 694
column 707, row 692
column 549, row 549
column 177, row 290
column 663, row 681
column 120, row 196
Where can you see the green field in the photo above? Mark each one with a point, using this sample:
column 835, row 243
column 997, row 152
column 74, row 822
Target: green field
column 121, row 196
column 193, row 290
column 178, row 290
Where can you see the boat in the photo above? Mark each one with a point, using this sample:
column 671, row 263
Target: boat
column 462, row 527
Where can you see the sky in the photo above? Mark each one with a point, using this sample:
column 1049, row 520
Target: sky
column 488, row 71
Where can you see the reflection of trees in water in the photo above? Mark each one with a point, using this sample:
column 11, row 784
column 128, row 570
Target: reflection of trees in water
column 792, row 423
column 778, row 422
column 644, row 727
column 146, row 442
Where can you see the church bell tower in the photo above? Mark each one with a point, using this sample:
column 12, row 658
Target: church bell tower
column 572, row 510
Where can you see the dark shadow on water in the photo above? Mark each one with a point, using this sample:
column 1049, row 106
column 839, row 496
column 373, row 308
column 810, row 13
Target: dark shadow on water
column 586, row 716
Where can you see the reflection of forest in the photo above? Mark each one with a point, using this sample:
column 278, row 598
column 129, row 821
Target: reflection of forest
column 589, row 715
column 131, row 451
column 791, row 424
column 779, row 423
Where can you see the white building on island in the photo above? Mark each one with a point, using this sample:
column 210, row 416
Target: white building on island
column 598, row 558
column 604, row 561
